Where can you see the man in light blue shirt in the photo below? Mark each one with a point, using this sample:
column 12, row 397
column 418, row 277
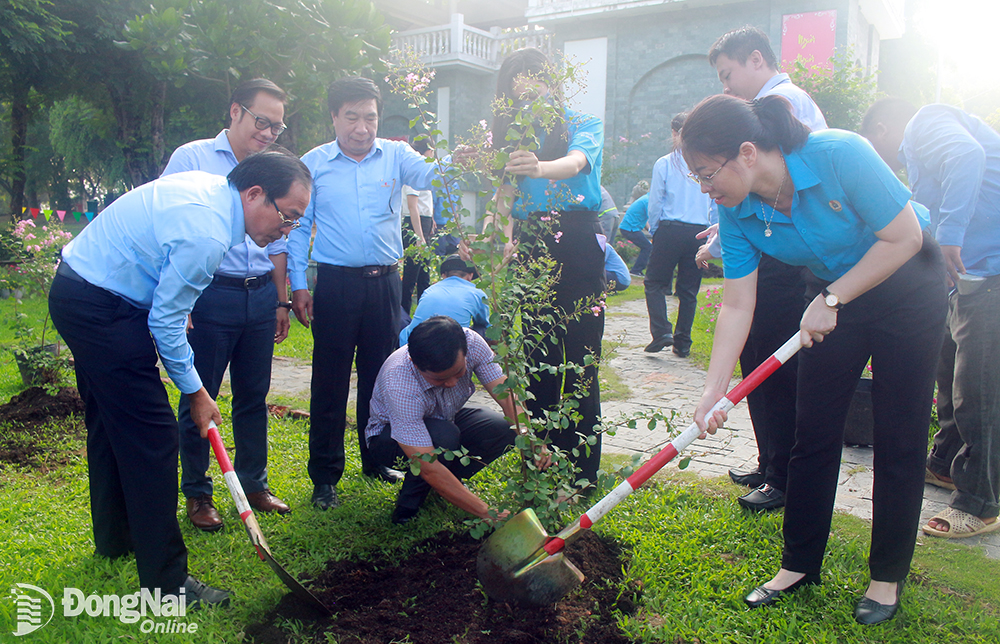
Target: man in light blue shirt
column 455, row 296
column 677, row 212
column 748, row 69
column 952, row 161
column 238, row 318
column 356, row 200
column 121, row 298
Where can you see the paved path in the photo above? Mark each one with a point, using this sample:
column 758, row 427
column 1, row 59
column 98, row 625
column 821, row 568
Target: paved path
column 664, row 381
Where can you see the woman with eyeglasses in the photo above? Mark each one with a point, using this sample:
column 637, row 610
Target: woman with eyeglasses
column 875, row 289
column 556, row 194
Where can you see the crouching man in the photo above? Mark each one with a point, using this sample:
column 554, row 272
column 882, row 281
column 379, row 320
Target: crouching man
column 418, row 405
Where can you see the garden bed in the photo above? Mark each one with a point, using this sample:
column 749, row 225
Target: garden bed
column 34, row 426
column 434, row 597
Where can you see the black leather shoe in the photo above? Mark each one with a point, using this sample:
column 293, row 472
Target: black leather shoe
column 402, row 516
column 659, row 344
column 682, row 352
column 325, row 497
column 753, row 478
column 869, row 612
column 761, row 596
column 383, row 473
column 200, row 594
column 764, row 498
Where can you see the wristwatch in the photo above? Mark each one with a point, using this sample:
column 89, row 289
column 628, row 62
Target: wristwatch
column 832, row 300
column 285, row 305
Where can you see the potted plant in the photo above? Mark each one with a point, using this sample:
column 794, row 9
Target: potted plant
column 32, row 259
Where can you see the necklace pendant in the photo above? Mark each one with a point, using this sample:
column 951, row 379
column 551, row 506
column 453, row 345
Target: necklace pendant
column 767, row 232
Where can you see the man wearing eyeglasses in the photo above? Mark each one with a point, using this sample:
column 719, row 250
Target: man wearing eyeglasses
column 239, row 318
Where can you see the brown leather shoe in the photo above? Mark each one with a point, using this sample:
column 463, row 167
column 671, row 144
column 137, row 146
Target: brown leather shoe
column 264, row 501
column 202, row 513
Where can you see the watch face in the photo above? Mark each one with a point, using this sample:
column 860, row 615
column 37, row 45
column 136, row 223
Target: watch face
column 832, row 300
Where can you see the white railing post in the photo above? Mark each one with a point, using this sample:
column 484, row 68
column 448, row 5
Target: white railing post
column 457, row 29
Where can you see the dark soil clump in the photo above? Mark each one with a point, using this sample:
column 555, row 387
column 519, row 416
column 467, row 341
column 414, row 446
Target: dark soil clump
column 27, row 435
column 434, row 598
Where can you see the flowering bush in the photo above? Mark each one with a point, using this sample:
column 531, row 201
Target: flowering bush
column 711, row 306
column 627, row 251
column 33, row 256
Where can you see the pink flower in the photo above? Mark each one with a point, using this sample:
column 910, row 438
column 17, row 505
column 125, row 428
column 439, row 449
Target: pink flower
column 483, row 124
column 597, row 310
column 489, row 139
column 557, row 236
column 623, row 139
column 546, row 218
column 580, row 198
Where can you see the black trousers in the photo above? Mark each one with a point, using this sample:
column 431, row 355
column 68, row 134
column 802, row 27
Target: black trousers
column 355, row 323
column 900, row 325
column 131, row 430
column 580, row 262
column 674, row 246
column 778, row 314
column 484, row 432
column 415, row 273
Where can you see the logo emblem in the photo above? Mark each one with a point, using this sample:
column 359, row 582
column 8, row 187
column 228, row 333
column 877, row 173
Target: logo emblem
column 835, row 205
column 30, row 607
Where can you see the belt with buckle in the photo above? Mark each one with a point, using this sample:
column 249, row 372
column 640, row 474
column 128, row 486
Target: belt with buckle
column 248, row 283
column 364, row 271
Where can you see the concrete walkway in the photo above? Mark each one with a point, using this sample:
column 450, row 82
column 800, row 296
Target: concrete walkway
column 665, row 382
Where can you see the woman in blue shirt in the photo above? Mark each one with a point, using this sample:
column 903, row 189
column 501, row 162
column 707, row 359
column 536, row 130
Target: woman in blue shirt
column 556, row 195
column 875, row 289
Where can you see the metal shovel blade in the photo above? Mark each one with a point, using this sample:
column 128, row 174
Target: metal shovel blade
column 506, row 569
column 253, row 527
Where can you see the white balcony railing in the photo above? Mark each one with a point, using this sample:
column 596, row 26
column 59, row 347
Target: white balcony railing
column 459, row 44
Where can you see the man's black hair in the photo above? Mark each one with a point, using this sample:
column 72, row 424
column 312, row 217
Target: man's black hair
column 738, row 44
column 435, row 343
column 247, row 91
column 274, row 170
column 353, row 89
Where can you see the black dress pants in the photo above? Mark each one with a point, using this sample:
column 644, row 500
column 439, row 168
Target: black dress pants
column 778, row 314
column 131, row 430
column 415, row 273
column 674, row 246
column 355, row 323
column 580, row 262
column 900, row 325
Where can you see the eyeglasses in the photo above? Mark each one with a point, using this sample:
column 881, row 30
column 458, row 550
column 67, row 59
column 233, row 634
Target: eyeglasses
column 262, row 123
column 708, row 180
column 286, row 222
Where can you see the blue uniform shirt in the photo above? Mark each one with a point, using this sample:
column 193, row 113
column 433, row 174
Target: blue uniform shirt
column 158, row 246
column 674, row 196
column 615, row 268
column 455, row 297
column 586, row 133
column 843, row 193
column 953, row 165
column 637, row 215
column 216, row 156
column 356, row 206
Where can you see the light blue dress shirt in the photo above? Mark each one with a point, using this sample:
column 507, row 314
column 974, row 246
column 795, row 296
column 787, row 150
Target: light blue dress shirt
column 674, row 196
column 615, row 268
column 803, row 107
column 158, row 246
column 637, row 215
column 844, row 192
column 455, row 297
column 216, row 156
column 953, row 165
column 356, row 206
column 581, row 192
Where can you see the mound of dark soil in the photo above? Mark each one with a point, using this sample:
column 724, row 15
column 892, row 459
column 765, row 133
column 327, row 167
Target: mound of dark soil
column 433, row 598
column 27, row 437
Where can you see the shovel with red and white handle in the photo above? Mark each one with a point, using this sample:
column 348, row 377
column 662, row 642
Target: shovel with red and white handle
column 521, row 563
column 251, row 525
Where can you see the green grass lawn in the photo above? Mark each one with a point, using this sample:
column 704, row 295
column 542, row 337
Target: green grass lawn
column 693, row 553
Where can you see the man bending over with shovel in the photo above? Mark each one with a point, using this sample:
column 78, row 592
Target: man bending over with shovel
column 419, row 405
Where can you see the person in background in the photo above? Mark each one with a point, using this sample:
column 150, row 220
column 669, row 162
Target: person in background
column 455, row 296
column 420, row 205
column 238, row 319
column 634, row 225
column 748, row 69
column 875, row 287
column 120, row 300
column 608, row 215
column 615, row 271
column 952, row 160
column 559, row 182
column 677, row 213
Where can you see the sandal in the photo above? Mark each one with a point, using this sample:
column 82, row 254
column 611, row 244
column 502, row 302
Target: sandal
column 937, row 481
column 960, row 524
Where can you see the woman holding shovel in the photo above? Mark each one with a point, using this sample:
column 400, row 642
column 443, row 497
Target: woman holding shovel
column 875, row 289
column 556, row 193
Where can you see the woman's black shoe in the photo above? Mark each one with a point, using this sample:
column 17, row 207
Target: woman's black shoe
column 761, row 596
column 870, row 612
